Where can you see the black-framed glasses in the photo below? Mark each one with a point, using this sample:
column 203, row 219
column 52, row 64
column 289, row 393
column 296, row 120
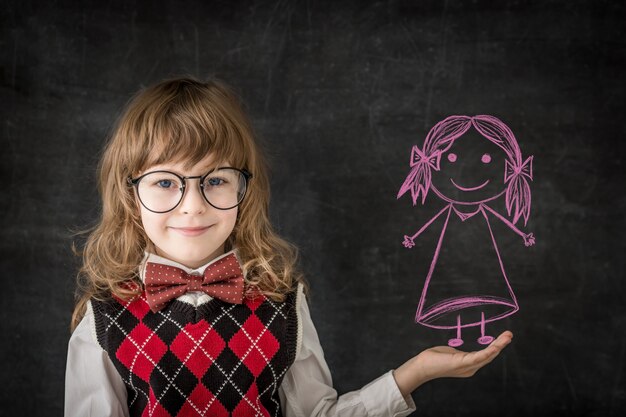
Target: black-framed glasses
column 162, row 191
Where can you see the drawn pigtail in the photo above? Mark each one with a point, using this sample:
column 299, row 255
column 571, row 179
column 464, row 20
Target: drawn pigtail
column 516, row 173
column 419, row 178
column 438, row 140
column 517, row 197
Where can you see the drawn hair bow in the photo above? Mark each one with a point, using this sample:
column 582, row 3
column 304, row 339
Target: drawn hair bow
column 526, row 169
column 419, row 157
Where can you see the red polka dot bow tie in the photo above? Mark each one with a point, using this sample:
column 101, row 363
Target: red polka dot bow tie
column 222, row 279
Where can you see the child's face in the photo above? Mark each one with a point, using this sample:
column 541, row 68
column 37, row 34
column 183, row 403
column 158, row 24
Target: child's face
column 165, row 230
column 471, row 171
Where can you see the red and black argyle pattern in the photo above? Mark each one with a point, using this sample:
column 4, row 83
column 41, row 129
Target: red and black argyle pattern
column 217, row 359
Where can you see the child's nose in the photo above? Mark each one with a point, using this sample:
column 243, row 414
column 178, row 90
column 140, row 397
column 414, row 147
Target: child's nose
column 193, row 200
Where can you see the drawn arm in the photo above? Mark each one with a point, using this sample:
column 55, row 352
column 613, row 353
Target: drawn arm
column 409, row 240
column 529, row 239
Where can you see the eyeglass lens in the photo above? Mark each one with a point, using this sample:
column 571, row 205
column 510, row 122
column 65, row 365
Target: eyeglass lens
column 162, row 191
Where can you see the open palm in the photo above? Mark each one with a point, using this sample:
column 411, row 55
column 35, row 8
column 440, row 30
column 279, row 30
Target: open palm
column 445, row 361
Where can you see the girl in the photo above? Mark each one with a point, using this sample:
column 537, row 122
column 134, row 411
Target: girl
column 463, row 167
column 189, row 304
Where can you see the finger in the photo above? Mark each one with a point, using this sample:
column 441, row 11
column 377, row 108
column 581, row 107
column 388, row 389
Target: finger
column 494, row 349
column 493, row 353
column 486, row 355
column 445, row 349
column 497, row 345
column 477, row 357
column 482, row 356
column 501, row 341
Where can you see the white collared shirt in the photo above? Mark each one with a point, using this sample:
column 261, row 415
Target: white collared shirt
column 93, row 387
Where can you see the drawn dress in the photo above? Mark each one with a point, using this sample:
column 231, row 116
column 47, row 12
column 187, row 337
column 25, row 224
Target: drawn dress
column 466, row 278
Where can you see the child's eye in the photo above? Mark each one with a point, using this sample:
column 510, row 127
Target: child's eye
column 452, row 157
column 164, row 183
column 486, row 158
column 215, row 181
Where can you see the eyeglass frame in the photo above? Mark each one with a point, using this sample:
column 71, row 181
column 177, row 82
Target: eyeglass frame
column 134, row 182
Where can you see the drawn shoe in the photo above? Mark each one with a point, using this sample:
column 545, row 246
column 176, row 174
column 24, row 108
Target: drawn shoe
column 456, row 342
column 485, row 340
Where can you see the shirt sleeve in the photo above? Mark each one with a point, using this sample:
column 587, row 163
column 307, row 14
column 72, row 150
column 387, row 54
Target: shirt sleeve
column 93, row 387
column 307, row 388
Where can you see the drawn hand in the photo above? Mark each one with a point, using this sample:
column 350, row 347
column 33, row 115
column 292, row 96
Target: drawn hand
column 408, row 242
column 445, row 361
column 529, row 239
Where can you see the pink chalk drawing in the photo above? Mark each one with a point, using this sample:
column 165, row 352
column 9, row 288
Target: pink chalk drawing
column 466, row 180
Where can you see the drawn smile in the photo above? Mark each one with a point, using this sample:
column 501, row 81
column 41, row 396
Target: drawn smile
column 471, row 188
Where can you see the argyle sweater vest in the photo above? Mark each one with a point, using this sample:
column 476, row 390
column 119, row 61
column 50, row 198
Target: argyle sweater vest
column 216, row 359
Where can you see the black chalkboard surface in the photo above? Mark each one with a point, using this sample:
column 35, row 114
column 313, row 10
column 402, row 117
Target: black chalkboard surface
column 338, row 93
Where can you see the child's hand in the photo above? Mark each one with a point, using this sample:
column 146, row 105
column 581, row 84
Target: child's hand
column 444, row 361
column 529, row 239
column 408, row 242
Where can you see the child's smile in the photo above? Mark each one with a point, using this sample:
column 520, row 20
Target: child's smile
column 190, row 231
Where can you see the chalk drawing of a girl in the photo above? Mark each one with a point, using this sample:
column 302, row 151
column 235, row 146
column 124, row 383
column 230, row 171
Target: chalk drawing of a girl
column 461, row 162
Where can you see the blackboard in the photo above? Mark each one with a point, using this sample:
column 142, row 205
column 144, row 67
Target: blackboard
column 338, row 93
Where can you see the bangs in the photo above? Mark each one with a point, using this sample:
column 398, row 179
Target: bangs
column 174, row 143
column 186, row 126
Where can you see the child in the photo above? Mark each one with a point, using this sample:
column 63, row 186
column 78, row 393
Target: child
column 189, row 304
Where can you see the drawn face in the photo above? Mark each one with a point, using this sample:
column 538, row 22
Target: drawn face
column 471, row 171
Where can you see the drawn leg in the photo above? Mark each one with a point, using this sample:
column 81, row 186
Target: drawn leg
column 456, row 342
column 483, row 340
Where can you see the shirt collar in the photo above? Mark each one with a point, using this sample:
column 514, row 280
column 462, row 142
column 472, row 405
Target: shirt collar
column 152, row 257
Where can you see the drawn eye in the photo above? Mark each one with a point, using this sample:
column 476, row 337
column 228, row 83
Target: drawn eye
column 486, row 158
column 452, row 157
